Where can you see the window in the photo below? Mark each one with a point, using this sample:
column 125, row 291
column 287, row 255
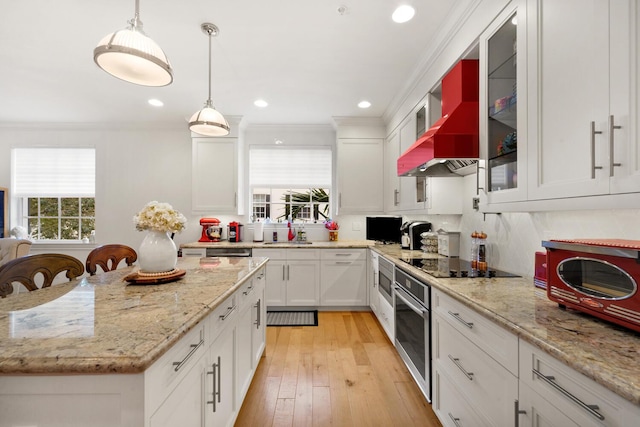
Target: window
column 55, row 191
column 290, row 181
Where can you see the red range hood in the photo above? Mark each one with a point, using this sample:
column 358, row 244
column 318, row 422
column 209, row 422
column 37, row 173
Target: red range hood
column 452, row 142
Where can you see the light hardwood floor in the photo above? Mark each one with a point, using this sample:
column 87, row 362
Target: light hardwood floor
column 343, row 372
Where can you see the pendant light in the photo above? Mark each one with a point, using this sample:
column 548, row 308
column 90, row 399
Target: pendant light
column 131, row 56
column 209, row 121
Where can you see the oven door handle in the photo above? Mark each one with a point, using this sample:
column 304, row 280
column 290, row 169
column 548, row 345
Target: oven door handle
column 409, row 300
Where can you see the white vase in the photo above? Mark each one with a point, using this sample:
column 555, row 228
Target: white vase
column 157, row 253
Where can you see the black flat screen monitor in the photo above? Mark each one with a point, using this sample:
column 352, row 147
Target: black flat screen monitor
column 384, row 229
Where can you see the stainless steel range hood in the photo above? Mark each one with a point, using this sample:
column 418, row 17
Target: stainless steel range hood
column 451, row 146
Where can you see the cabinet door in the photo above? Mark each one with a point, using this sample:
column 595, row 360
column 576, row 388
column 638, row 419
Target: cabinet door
column 444, row 195
column 186, row 405
column 571, row 157
column 504, row 99
column 391, row 180
column 275, row 283
column 343, row 283
column 360, row 176
column 219, row 385
column 408, row 184
column 214, row 175
column 244, row 359
column 303, row 283
column 536, row 411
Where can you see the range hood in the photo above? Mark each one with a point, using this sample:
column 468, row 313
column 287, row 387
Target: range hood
column 451, row 146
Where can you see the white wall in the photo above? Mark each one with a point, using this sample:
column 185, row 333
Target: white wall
column 134, row 166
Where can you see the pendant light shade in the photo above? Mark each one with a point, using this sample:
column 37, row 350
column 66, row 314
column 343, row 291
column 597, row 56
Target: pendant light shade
column 131, row 56
column 209, row 121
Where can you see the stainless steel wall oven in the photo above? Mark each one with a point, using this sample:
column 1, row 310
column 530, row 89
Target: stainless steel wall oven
column 385, row 278
column 412, row 315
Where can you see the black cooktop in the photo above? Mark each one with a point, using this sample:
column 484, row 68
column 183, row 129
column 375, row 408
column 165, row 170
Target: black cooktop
column 453, row 268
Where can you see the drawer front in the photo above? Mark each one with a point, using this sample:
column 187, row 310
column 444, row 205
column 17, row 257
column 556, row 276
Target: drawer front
column 571, row 392
column 223, row 315
column 194, row 252
column 273, row 253
column 344, row 254
column 496, row 341
column 245, row 293
column 303, row 254
column 169, row 370
column 452, row 409
column 483, row 381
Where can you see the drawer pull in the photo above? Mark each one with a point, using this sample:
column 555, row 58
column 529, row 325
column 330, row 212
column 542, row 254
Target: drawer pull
column 518, row 412
column 343, row 262
column 228, row 313
column 194, row 347
column 454, row 419
column 456, row 361
column 344, row 254
column 258, row 310
column 594, row 132
column 461, row 320
column 551, row 380
column 249, row 289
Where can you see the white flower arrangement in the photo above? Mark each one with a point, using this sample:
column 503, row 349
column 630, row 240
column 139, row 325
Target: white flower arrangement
column 159, row 217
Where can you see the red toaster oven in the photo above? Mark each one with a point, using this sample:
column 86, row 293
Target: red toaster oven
column 596, row 276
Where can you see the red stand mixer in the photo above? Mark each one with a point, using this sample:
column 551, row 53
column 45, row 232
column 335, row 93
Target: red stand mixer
column 211, row 230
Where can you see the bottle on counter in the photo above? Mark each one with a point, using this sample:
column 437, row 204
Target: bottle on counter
column 482, row 251
column 474, row 250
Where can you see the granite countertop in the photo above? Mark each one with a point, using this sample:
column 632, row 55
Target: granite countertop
column 101, row 324
column 602, row 351
column 338, row 244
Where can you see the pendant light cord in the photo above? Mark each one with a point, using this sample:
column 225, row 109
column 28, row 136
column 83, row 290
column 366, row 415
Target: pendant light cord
column 209, row 31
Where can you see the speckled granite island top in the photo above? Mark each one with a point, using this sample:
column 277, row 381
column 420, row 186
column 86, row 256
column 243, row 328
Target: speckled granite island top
column 102, row 324
column 604, row 352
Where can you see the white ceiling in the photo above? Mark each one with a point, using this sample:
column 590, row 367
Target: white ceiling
column 303, row 57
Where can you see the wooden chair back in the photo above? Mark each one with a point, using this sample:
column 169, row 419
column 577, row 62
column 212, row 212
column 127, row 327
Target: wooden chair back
column 25, row 269
column 108, row 257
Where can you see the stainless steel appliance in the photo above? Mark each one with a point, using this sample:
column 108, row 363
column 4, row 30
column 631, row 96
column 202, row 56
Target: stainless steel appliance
column 385, row 278
column 412, row 319
column 411, row 231
column 228, row 252
column 452, row 268
column 596, row 276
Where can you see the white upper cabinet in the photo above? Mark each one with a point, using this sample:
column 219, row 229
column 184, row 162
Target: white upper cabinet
column 359, row 165
column 503, row 106
column 585, row 61
column 359, row 171
column 215, row 175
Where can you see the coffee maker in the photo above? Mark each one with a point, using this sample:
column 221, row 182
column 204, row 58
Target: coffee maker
column 211, row 230
column 233, row 231
column 410, row 234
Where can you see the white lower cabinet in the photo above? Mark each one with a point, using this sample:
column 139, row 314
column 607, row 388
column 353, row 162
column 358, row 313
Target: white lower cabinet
column 489, row 387
column 485, row 376
column 555, row 393
column 344, row 277
column 292, row 276
column 221, row 407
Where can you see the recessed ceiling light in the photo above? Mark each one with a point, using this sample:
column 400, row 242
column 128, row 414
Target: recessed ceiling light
column 403, row 13
column 278, row 141
column 155, row 102
column 260, row 103
column 364, row 104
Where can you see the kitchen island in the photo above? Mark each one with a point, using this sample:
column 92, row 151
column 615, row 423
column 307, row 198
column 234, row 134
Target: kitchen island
column 99, row 346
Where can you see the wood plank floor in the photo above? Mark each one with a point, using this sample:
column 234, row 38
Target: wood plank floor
column 343, row 372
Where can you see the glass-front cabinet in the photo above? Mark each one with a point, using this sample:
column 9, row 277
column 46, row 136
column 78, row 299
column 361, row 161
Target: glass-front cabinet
column 503, row 106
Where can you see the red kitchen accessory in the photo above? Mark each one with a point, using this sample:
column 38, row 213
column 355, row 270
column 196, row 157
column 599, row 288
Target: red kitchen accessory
column 211, row 230
column 234, row 231
column 540, row 275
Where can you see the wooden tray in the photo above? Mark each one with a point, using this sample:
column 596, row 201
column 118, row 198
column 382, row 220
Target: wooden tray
column 136, row 279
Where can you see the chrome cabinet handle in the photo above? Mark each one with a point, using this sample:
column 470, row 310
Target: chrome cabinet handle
column 344, row 254
column 395, row 197
column 612, row 127
column 456, row 362
column 343, row 263
column 219, row 375
column 594, row 132
column 214, row 385
column 461, row 320
column 478, row 188
column 518, row 412
column 283, row 277
column 248, row 291
column 340, row 200
column 551, row 380
column 288, row 276
column 258, row 320
column 228, row 313
column 455, row 420
column 194, row 348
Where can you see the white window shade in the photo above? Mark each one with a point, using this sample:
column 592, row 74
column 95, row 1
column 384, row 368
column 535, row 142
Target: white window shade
column 53, row 172
column 290, row 167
